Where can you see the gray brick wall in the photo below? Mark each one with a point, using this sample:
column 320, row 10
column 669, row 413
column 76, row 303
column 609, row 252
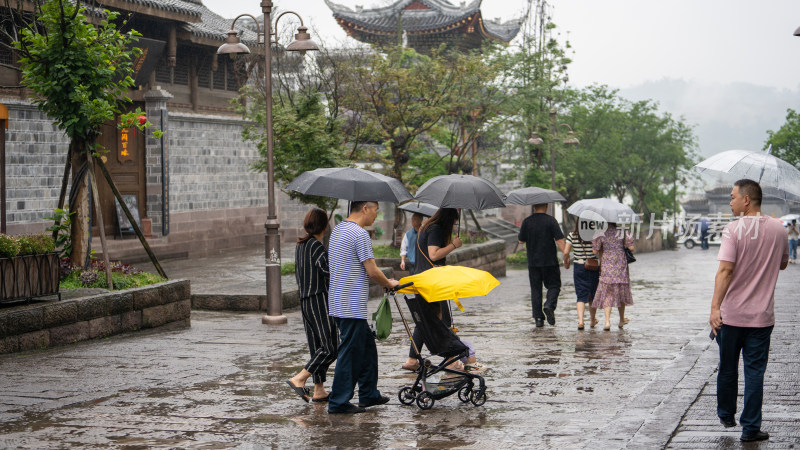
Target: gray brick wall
column 210, row 165
column 35, row 155
column 209, row 170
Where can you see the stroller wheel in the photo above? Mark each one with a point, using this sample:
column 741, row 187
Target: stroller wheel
column 478, row 397
column 425, row 400
column 464, row 394
column 406, row 395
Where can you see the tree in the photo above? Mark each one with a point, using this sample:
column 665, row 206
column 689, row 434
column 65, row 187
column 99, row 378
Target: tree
column 79, row 73
column 534, row 78
column 627, row 149
column 306, row 138
column 786, row 141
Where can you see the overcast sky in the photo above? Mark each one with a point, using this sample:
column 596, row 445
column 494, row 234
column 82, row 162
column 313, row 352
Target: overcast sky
column 623, row 43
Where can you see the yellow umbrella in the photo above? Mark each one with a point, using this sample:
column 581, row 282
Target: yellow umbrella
column 450, row 282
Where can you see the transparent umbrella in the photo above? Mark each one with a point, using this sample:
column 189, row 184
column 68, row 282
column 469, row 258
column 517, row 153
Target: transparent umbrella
column 604, row 208
column 777, row 177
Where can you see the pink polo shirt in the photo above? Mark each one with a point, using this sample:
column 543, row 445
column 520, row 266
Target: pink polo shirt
column 757, row 245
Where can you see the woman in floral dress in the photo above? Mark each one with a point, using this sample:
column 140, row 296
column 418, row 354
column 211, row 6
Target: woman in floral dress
column 614, row 289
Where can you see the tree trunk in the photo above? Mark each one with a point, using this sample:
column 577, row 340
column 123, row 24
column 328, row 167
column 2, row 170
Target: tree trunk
column 99, row 211
column 82, row 220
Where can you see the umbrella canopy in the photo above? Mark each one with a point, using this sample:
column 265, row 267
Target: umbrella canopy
column 450, row 282
column 350, row 183
column 787, row 219
column 533, row 196
column 776, row 177
column 426, row 209
column 461, row 191
column 609, row 210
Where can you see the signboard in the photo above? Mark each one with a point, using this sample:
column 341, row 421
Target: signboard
column 126, row 148
column 132, row 202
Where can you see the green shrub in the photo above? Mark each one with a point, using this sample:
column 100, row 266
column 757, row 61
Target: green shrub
column 123, row 276
column 26, row 245
column 385, row 251
column 287, row 268
column 35, row 244
column 517, row 259
column 9, row 247
column 44, row 244
column 63, row 239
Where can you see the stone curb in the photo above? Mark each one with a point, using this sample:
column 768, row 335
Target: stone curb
column 38, row 326
column 654, row 414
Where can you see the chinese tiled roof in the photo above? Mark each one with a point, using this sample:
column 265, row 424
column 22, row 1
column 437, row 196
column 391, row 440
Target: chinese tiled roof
column 185, row 10
column 200, row 23
column 421, row 16
column 215, row 27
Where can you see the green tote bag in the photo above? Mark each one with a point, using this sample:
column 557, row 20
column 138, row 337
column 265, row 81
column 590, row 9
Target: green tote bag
column 383, row 319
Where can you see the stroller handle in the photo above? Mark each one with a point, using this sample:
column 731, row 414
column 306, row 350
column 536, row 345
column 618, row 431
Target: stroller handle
column 400, row 286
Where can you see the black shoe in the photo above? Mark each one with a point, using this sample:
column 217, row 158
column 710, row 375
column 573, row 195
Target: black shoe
column 539, row 323
column 382, row 400
column 347, row 409
column 551, row 318
column 757, row 436
column 727, row 422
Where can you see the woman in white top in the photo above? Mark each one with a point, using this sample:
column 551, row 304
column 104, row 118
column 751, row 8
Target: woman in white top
column 586, row 281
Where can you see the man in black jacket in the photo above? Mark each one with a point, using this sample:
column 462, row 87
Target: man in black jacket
column 541, row 233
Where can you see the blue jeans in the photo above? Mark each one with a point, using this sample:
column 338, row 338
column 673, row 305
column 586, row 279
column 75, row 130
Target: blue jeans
column 753, row 344
column 357, row 362
column 792, row 248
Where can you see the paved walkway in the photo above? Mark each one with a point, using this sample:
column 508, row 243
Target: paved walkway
column 221, row 383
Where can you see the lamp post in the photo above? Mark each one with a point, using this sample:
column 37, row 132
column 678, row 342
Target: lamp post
column 535, row 140
column 272, row 244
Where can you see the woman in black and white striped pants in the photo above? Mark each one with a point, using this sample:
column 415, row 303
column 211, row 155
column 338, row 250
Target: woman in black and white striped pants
column 311, row 272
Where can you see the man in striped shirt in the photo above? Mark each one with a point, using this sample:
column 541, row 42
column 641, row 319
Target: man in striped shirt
column 352, row 264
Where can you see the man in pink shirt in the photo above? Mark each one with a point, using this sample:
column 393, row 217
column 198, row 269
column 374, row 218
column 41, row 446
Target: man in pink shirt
column 753, row 250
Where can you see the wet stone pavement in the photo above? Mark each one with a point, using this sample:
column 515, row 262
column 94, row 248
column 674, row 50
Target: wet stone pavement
column 221, row 383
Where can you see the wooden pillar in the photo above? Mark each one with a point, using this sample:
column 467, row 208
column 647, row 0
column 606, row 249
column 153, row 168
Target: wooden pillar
column 3, row 126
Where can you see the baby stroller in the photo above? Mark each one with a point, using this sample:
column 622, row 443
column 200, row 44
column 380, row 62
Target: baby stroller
column 435, row 382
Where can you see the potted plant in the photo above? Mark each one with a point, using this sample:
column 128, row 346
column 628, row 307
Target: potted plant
column 29, row 267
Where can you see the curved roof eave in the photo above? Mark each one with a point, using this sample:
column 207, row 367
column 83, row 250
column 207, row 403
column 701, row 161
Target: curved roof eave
column 503, row 32
column 212, row 30
column 179, row 10
column 439, row 5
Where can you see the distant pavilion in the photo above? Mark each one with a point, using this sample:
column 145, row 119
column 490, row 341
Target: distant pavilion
column 424, row 24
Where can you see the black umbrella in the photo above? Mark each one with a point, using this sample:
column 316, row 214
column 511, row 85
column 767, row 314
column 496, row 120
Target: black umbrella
column 426, row 209
column 350, row 183
column 533, row 196
column 461, row 191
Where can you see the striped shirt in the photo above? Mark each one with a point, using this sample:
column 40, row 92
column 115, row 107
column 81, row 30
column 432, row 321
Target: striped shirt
column 349, row 247
column 311, row 268
column 580, row 251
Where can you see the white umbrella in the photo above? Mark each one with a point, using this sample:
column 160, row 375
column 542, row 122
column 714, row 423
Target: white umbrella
column 610, row 210
column 776, row 177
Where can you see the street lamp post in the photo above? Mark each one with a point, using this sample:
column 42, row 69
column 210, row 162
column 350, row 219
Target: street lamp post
column 272, row 244
column 535, row 140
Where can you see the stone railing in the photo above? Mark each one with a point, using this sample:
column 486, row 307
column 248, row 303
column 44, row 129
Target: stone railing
column 489, row 256
column 48, row 324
